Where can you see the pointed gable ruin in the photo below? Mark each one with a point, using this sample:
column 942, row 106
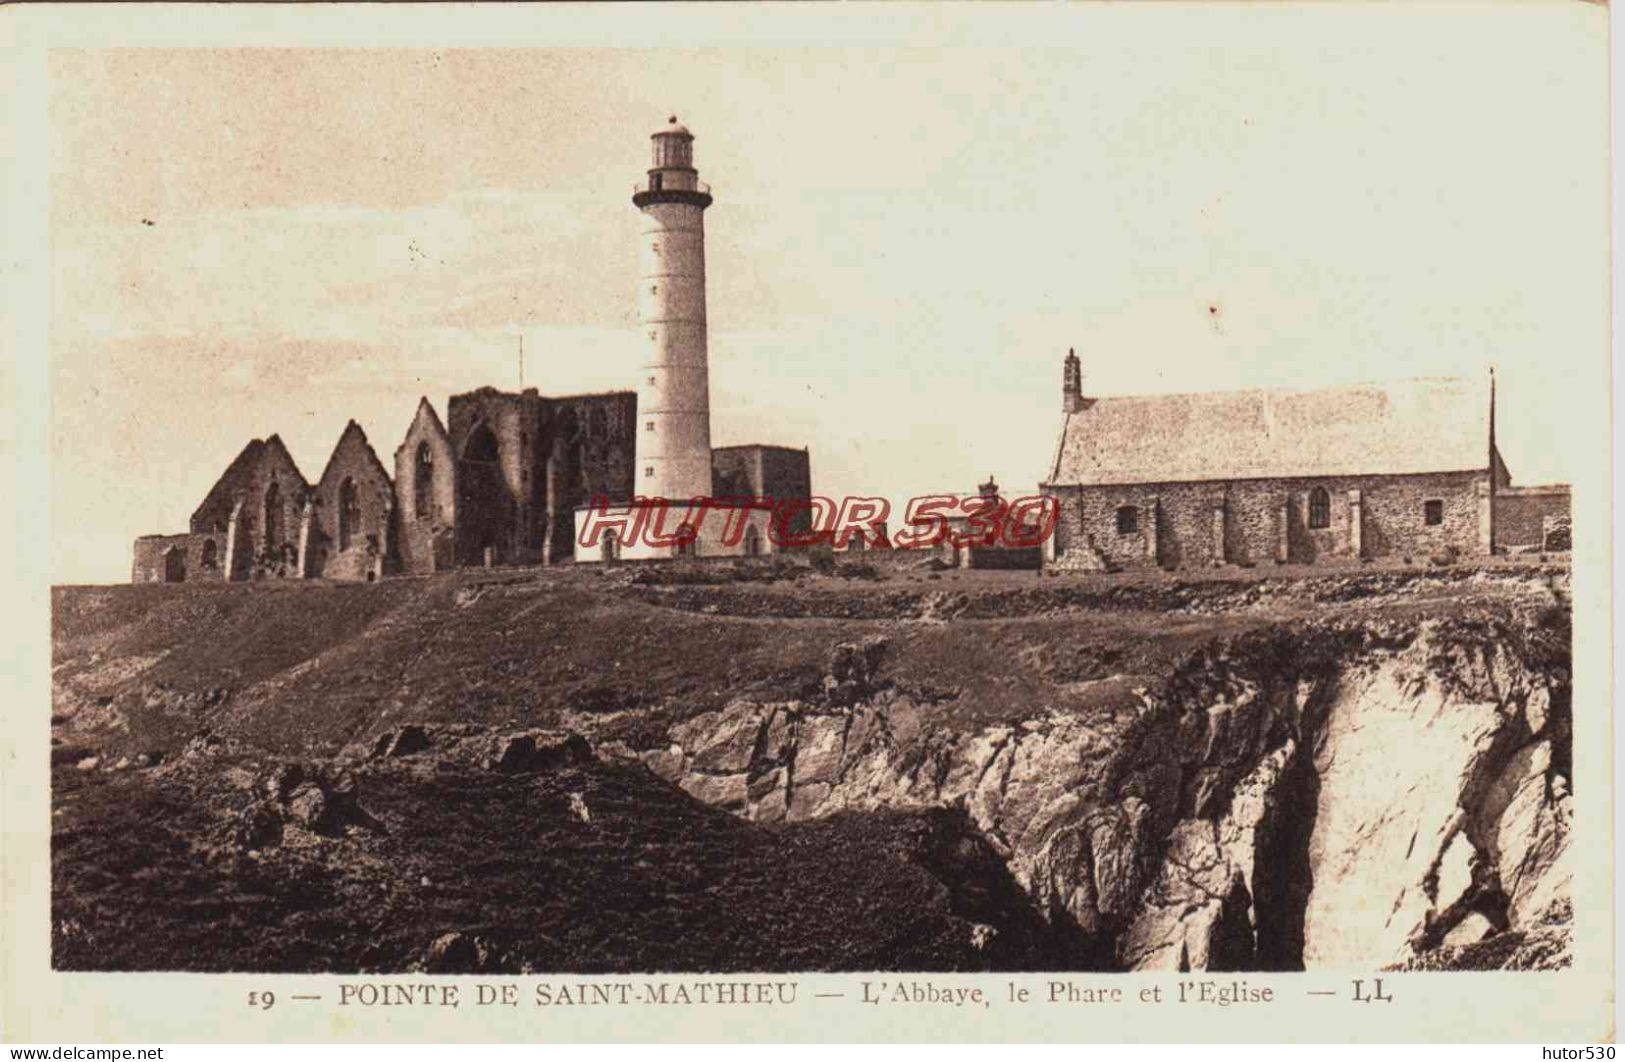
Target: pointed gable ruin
column 349, row 526
column 426, row 494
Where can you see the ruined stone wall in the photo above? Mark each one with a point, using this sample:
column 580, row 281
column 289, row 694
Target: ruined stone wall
column 590, row 452
column 736, row 472
column 426, row 514
column 267, row 484
column 191, row 558
column 497, row 487
column 777, row 473
column 1003, row 558
column 1252, row 522
column 606, row 440
column 366, row 551
column 551, row 455
column 1522, row 515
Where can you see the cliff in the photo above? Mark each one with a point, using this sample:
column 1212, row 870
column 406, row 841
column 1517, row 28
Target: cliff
column 1356, row 771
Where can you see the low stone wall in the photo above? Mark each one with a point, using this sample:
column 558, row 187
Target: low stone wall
column 188, row 558
column 1524, row 516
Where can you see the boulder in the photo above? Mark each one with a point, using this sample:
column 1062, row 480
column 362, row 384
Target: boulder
column 406, row 741
column 538, row 751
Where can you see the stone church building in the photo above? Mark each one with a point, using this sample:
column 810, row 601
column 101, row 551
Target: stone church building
column 1407, row 469
column 499, row 486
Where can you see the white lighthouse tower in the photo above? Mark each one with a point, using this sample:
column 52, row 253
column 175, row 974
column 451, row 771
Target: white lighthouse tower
column 674, row 392
column 673, row 463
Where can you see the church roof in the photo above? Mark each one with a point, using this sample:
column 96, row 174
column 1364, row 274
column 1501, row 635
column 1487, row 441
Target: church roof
column 1403, row 426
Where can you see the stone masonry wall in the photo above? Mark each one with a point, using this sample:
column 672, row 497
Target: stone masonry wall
column 368, row 553
column 269, row 517
column 1263, row 519
column 497, row 505
column 201, row 558
column 425, row 536
column 1522, row 515
column 590, row 453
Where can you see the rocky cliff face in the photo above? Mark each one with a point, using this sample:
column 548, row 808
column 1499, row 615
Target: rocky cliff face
column 929, row 770
column 1353, row 795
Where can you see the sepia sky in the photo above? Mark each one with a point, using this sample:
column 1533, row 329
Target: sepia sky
column 905, row 239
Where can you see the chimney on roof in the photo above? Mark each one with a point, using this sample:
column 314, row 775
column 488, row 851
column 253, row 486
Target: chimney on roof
column 1072, row 383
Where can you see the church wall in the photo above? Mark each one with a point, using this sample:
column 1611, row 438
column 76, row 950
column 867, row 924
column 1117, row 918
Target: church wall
column 270, row 518
column 1177, row 527
column 553, row 455
column 368, row 552
column 425, row 534
column 497, row 503
column 590, row 456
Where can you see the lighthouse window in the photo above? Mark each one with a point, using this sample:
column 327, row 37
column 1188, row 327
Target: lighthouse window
column 654, row 186
column 648, row 470
column 651, row 381
column 648, row 425
column 654, row 289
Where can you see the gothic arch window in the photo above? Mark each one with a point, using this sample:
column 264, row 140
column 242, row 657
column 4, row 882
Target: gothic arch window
column 482, row 445
column 1320, row 508
column 273, row 515
column 422, row 482
column 1128, row 520
column 610, row 547
column 210, row 554
column 349, row 513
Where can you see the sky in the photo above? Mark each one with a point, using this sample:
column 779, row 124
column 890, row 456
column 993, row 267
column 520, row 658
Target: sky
column 905, row 240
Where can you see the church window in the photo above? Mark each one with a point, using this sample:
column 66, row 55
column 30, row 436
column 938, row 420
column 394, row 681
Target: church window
column 349, row 513
column 1433, row 512
column 422, row 481
column 210, row 554
column 273, row 514
column 1320, row 508
column 1128, row 520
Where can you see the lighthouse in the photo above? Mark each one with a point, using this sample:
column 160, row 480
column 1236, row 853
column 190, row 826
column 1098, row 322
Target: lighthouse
column 744, row 487
column 674, row 401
